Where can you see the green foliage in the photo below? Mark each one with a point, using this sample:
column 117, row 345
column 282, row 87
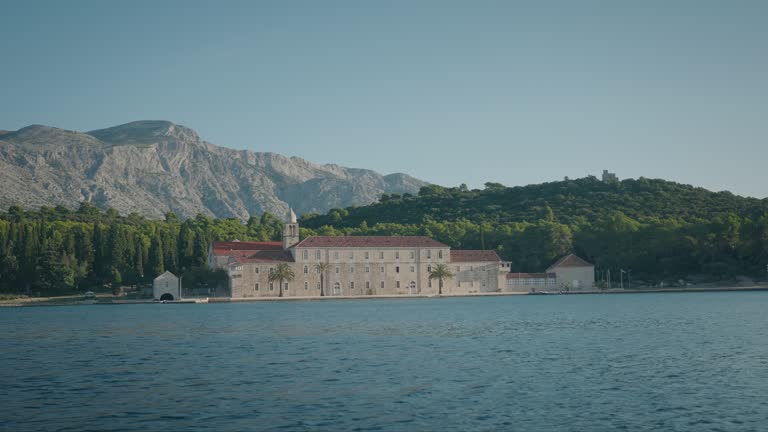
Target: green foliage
column 660, row 230
column 441, row 273
column 282, row 273
column 55, row 250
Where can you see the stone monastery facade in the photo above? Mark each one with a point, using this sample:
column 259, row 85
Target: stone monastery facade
column 356, row 266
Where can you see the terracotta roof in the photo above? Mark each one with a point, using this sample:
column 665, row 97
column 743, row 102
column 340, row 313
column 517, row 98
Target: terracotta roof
column 570, row 260
column 264, row 256
column 530, row 275
column 474, row 256
column 226, row 248
column 369, row 242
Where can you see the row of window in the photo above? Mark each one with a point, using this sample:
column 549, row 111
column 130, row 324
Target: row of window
column 367, row 254
column 337, row 269
column 367, row 269
column 531, row 282
column 337, row 285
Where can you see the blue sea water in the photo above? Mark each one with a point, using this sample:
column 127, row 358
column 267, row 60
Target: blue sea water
column 639, row 362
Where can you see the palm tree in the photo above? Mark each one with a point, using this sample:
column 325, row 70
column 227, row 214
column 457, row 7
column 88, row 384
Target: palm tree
column 322, row 268
column 283, row 272
column 440, row 272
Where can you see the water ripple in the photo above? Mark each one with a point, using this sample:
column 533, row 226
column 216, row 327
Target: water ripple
column 692, row 362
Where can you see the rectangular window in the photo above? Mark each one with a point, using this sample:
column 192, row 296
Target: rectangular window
column 366, row 255
column 429, row 254
column 257, row 270
column 381, row 284
column 381, row 255
column 257, row 286
column 430, row 283
column 286, row 286
column 306, row 286
column 336, row 254
column 397, row 284
column 439, row 254
column 382, row 269
column 351, row 285
column 367, row 285
column 397, row 255
column 367, row 269
column 271, row 286
column 411, row 254
column 413, row 269
column 397, row 269
column 351, row 269
column 305, row 254
column 306, row 269
column 318, row 285
column 317, row 254
column 337, row 270
column 459, row 284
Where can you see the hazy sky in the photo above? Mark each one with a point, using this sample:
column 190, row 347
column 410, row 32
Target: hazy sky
column 450, row 92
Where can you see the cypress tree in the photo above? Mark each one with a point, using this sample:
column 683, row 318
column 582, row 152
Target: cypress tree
column 156, row 256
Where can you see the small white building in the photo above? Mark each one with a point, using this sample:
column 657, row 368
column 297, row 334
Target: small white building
column 166, row 287
column 573, row 273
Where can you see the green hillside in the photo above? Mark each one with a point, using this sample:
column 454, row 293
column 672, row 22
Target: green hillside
column 658, row 229
column 572, row 202
column 662, row 231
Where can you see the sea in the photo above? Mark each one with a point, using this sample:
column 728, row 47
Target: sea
column 632, row 362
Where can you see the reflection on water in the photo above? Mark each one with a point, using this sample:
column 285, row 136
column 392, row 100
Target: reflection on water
column 683, row 362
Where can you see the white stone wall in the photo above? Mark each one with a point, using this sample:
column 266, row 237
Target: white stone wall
column 575, row 278
column 166, row 283
column 400, row 272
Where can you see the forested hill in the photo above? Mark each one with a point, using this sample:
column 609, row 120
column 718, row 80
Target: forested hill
column 661, row 231
column 658, row 229
column 571, row 202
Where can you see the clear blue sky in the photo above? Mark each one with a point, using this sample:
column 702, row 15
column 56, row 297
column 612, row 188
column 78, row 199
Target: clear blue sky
column 450, row 92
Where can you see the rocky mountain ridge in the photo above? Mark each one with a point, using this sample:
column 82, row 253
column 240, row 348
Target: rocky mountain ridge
column 151, row 167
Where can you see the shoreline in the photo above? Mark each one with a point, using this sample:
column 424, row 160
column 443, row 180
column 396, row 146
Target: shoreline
column 78, row 301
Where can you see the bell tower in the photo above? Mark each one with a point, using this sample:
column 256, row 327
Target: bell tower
column 290, row 229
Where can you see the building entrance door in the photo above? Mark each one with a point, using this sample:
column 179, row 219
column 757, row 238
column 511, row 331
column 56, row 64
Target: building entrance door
column 336, row 289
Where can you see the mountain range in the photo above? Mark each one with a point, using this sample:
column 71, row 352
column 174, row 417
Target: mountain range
column 152, row 167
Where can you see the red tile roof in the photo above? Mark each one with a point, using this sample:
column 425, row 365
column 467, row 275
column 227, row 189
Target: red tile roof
column 531, row 275
column 369, row 242
column 474, row 256
column 226, row 248
column 264, row 256
column 570, row 260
